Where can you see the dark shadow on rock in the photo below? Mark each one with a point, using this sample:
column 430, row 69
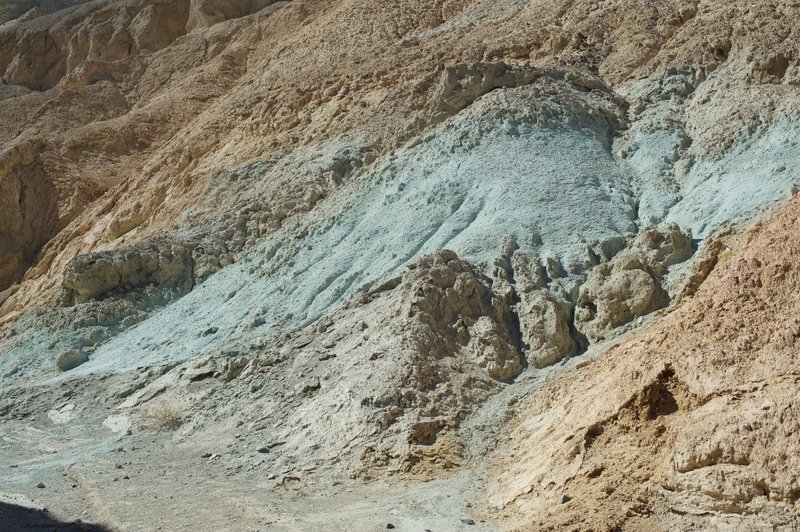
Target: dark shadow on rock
column 15, row 518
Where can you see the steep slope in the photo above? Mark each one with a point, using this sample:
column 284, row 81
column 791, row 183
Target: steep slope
column 364, row 231
column 27, row 9
column 247, row 91
column 692, row 422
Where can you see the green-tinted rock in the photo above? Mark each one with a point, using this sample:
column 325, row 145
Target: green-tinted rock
column 71, row 359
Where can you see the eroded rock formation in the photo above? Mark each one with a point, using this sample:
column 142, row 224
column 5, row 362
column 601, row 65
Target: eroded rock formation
column 632, row 284
column 222, row 235
column 161, row 263
column 688, row 421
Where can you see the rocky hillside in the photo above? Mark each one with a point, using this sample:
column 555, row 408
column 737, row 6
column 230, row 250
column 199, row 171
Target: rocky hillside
column 322, row 249
column 689, row 423
column 28, row 9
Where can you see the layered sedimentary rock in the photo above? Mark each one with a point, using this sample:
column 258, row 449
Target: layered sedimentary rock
column 228, row 220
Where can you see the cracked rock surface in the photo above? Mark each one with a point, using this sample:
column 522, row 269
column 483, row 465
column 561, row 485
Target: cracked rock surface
column 307, row 255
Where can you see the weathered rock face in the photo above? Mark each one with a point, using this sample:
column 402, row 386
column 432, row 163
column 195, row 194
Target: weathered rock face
column 13, row 9
column 545, row 327
column 736, row 452
column 690, row 421
column 631, row 284
column 614, row 295
column 83, row 46
column 28, row 212
column 384, row 383
column 71, row 359
column 662, row 246
column 128, row 114
column 293, row 155
column 462, row 84
column 543, row 318
column 204, row 13
column 449, row 308
column 160, row 263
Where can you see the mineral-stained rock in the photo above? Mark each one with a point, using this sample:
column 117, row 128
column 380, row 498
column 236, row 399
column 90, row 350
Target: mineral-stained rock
column 394, row 373
column 159, row 262
column 314, row 150
column 697, row 414
column 71, row 359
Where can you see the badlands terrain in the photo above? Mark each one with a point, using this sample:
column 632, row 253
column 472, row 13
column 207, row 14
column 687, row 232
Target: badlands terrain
column 399, row 264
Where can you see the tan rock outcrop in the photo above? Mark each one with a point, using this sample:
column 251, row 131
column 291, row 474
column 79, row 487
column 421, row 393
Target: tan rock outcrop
column 545, row 327
column 165, row 140
column 204, row 13
column 691, row 422
column 159, row 263
column 28, row 211
column 140, row 104
column 631, row 284
column 543, row 318
column 449, row 307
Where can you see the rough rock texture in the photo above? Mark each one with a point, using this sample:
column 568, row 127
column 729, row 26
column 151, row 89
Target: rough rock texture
column 204, row 13
column 229, row 196
column 544, row 318
column 302, row 252
column 71, row 359
column 631, row 285
column 28, row 211
column 449, row 305
column 244, row 90
column 691, row 422
column 383, row 384
column 158, row 262
column 27, row 9
column 545, row 323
